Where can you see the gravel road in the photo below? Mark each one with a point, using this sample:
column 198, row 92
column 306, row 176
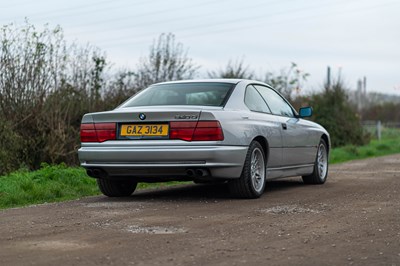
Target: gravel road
column 354, row 219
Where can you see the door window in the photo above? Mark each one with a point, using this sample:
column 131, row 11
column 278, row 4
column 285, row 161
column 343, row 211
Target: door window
column 275, row 102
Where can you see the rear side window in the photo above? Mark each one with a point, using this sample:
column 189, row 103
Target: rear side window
column 199, row 93
column 254, row 101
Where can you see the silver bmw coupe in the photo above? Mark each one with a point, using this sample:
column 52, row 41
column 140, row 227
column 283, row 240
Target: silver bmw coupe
column 242, row 132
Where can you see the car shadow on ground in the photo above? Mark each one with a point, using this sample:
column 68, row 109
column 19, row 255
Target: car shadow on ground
column 203, row 192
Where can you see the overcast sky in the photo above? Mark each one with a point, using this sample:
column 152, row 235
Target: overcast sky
column 355, row 37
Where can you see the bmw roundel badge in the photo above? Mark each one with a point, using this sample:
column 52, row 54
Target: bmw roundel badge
column 142, row 116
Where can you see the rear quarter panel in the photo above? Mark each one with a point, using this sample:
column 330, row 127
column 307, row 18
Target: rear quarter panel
column 241, row 126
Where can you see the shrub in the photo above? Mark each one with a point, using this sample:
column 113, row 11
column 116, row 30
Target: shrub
column 45, row 88
column 11, row 147
column 333, row 111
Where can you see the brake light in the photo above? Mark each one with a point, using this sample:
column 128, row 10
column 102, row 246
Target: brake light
column 99, row 132
column 182, row 130
column 196, row 131
column 208, row 130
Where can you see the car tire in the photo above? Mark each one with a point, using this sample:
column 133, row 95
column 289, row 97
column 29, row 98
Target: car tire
column 320, row 174
column 251, row 183
column 116, row 188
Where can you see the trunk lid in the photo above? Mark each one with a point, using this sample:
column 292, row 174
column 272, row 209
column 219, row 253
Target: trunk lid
column 160, row 122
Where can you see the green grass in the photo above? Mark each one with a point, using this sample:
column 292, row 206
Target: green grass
column 59, row 182
column 389, row 144
column 50, row 184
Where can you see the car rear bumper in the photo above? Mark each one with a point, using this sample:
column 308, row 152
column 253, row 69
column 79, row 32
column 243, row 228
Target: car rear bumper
column 158, row 161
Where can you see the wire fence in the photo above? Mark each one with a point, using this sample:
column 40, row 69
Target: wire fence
column 377, row 128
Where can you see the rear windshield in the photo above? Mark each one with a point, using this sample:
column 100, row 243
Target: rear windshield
column 201, row 93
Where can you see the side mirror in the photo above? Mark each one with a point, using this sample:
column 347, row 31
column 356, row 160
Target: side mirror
column 305, row 112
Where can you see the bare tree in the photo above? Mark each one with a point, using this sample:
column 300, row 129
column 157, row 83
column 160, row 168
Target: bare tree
column 288, row 81
column 29, row 66
column 235, row 69
column 166, row 61
column 120, row 86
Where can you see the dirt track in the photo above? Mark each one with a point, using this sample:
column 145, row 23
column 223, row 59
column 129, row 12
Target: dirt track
column 353, row 219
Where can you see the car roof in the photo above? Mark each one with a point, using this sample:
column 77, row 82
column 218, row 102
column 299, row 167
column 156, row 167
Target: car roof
column 244, row 82
column 232, row 81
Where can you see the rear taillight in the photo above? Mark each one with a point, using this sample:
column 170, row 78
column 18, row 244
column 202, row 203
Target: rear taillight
column 208, row 130
column 196, row 131
column 182, row 130
column 99, row 132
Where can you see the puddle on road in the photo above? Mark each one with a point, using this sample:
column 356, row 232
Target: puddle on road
column 288, row 209
column 157, row 230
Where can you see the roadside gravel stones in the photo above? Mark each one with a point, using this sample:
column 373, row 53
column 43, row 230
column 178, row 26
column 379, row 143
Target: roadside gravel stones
column 288, row 209
column 154, row 230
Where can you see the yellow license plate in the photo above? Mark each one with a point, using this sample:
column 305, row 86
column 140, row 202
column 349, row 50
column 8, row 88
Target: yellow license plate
column 150, row 130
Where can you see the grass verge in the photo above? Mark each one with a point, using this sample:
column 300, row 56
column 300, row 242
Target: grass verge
column 48, row 184
column 389, row 144
column 59, row 183
column 51, row 183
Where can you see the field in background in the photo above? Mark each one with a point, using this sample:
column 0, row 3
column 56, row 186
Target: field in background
column 60, row 183
column 389, row 144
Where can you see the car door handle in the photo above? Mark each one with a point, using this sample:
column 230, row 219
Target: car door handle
column 284, row 126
